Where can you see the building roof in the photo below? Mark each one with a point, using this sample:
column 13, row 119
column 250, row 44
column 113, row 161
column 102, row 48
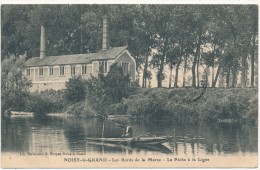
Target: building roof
column 111, row 53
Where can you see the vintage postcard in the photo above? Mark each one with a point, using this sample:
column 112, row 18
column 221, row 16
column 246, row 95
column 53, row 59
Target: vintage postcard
column 129, row 86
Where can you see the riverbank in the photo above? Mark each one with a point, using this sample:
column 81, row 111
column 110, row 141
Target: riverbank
column 191, row 105
column 181, row 105
column 177, row 104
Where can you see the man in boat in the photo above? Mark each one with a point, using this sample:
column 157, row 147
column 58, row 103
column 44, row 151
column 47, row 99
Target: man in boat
column 128, row 131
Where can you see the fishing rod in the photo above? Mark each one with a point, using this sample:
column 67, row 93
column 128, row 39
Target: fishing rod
column 117, row 124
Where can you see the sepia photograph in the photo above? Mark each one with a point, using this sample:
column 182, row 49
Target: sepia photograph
column 129, row 85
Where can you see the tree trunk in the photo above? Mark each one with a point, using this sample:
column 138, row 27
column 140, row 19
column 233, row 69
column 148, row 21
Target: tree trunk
column 221, row 80
column 145, row 72
column 177, row 74
column 253, row 63
column 193, row 72
column 170, row 78
column 160, row 72
column 213, row 67
column 243, row 75
column 228, row 77
column 144, row 84
column 198, row 71
column 184, row 70
column 207, row 73
column 161, row 67
column 234, row 74
column 212, row 76
column 195, row 60
column 143, row 80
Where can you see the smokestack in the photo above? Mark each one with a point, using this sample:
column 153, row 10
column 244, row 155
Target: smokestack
column 42, row 43
column 105, row 44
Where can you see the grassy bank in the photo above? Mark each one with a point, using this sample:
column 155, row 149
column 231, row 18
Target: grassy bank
column 215, row 105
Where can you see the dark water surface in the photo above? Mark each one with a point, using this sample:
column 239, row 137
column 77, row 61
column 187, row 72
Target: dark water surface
column 58, row 134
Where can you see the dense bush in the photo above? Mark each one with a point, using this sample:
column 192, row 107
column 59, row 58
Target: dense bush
column 75, row 89
column 38, row 105
column 106, row 90
column 13, row 100
column 158, row 107
column 252, row 111
column 182, row 113
column 227, row 107
column 96, row 95
column 118, row 108
column 174, row 104
column 221, row 104
column 55, row 97
column 14, row 85
column 116, row 83
column 140, row 106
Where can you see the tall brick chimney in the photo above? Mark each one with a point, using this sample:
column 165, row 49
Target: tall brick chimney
column 43, row 42
column 105, row 42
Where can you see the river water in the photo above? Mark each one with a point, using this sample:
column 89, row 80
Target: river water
column 60, row 134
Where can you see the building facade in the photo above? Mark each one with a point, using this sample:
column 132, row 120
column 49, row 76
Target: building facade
column 52, row 72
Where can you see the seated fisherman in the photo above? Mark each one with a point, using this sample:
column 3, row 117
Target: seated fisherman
column 128, row 132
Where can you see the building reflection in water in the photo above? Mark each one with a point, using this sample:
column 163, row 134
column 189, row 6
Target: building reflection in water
column 48, row 140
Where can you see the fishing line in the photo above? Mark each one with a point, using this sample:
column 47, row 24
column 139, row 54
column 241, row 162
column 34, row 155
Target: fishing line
column 202, row 93
column 188, row 101
column 117, row 124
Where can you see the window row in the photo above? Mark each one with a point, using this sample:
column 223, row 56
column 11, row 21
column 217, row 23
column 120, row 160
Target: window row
column 103, row 68
column 61, row 71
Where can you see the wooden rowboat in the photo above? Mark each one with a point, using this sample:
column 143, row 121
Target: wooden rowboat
column 139, row 141
column 117, row 116
column 155, row 148
column 20, row 114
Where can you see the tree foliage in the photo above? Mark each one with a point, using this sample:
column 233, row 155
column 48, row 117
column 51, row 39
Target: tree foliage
column 219, row 36
column 14, row 85
column 108, row 89
column 75, row 89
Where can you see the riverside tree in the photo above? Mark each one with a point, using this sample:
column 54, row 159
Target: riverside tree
column 14, row 85
column 105, row 90
column 75, row 89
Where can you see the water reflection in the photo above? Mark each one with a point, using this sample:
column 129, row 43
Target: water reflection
column 57, row 134
column 46, row 139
